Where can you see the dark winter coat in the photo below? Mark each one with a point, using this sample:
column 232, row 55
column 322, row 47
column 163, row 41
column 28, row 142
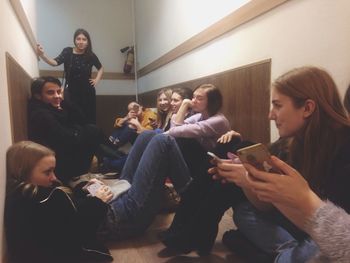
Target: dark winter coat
column 51, row 226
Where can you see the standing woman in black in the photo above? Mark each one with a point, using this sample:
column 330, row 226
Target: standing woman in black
column 78, row 62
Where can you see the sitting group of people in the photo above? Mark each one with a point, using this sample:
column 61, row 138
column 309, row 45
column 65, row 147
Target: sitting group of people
column 299, row 214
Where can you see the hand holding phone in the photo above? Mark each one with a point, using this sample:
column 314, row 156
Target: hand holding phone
column 258, row 156
column 93, row 188
column 215, row 157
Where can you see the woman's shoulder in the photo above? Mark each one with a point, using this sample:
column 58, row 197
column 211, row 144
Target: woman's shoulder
column 220, row 115
column 24, row 201
column 68, row 49
column 194, row 118
column 53, row 196
column 219, row 118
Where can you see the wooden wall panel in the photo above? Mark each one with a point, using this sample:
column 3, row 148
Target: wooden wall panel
column 19, row 92
column 106, row 75
column 246, row 92
column 108, row 108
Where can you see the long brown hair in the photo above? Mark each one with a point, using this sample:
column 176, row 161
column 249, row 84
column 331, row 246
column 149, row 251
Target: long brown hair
column 323, row 128
column 347, row 100
column 214, row 98
column 21, row 158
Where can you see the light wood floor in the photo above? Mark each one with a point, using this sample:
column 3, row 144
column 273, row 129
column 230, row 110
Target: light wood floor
column 148, row 249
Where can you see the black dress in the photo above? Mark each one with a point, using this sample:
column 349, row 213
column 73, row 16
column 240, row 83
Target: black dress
column 78, row 68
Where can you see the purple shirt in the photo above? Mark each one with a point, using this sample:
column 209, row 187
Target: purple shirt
column 205, row 131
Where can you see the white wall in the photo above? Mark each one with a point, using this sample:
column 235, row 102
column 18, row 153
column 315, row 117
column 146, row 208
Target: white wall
column 29, row 7
column 163, row 24
column 14, row 42
column 109, row 23
column 297, row 33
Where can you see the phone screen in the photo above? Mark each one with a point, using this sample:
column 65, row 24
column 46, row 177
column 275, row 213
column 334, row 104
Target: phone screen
column 92, row 188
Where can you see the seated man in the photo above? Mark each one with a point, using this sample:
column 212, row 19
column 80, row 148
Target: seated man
column 138, row 118
column 125, row 133
column 62, row 127
column 136, row 121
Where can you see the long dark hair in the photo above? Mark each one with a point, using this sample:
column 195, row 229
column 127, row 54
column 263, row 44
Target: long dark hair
column 79, row 31
column 184, row 92
column 326, row 125
column 214, row 98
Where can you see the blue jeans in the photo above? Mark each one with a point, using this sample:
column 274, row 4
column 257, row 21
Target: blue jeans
column 274, row 234
column 152, row 159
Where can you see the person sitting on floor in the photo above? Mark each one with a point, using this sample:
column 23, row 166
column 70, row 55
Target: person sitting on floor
column 42, row 220
column 164, row 112
column 36, row 227
column 307, row 109
column 138, row 118
column 125, row 133
column 57, row 124
column 198, row 133
column 177, row 97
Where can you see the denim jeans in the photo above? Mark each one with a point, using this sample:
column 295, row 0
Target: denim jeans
column 152, row 159
column 274, row 234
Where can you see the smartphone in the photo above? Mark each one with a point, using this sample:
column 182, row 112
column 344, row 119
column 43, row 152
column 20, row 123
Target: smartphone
column 92, row 188
column 258, row 156
column 216, row 158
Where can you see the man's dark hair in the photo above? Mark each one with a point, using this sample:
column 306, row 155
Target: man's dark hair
column 38, row 84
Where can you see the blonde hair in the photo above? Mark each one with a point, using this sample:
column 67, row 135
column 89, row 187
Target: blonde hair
column 21, row 158
column 163, row 118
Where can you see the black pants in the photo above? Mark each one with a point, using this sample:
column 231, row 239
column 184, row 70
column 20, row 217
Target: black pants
column 206, row 200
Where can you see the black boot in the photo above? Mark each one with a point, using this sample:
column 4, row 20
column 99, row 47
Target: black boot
column 197, row 228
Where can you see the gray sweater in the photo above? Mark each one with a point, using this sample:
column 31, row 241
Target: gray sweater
column 329, row 227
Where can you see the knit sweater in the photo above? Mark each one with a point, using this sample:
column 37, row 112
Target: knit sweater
column 329, row 227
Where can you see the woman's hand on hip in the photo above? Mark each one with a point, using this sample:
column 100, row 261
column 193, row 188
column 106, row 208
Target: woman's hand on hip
column 93, row 82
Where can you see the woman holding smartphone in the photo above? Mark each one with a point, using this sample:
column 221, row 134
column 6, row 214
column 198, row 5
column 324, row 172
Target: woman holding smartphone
column 42, row 220
column 292, row 195
column 308, row 112
column 40, row 215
